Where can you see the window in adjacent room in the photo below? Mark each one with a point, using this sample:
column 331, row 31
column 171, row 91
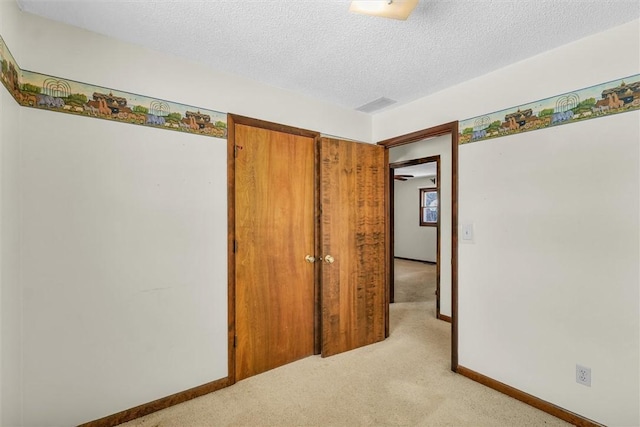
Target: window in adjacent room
column 429, row 211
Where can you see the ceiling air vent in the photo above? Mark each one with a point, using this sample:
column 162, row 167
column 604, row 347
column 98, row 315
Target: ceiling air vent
column 375, row 105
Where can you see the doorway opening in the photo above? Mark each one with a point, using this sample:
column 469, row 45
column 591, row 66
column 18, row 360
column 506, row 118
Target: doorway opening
column 410, row 142
column 415, row 234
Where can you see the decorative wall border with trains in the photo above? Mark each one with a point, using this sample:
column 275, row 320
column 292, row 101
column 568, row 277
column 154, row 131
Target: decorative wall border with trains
column 37, row 90
column 31, row 89
column 614, row 97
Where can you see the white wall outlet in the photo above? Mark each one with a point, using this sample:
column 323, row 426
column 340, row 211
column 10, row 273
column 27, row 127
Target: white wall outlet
column 583, row 375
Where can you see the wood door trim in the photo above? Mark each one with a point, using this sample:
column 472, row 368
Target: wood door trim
column 454, row 246
column 317, row 331
column 438, row 236
column 231, row 238
column 450, row 128
column 257, row 123
column 232, row 121
column 413, row 162
column 431, row 132
column 536, row 402
column 415, row 260
column 391, row 268
column 444, row 318
column 388, row 180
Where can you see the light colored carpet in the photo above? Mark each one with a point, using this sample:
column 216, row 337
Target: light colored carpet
column 402, row 381
column 415, row 282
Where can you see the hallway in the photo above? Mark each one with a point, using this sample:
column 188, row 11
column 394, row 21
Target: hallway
column 415, row 281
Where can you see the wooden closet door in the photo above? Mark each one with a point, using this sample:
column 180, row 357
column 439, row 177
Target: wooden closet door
column 275, row 230
column 353, row 179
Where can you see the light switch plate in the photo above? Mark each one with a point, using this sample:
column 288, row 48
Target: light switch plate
column 467, row 232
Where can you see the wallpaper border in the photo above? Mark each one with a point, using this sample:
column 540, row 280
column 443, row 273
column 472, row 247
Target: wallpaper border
column 601, row 100
column 36, row 90
column 42, row 91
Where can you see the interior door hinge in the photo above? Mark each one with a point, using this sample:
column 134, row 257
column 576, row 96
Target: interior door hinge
column 235, row 341
column 235, row 246
column 236, row 148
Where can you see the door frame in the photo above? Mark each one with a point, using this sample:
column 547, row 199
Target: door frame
column 392, row 166
column 432, row 132
column 232, row 121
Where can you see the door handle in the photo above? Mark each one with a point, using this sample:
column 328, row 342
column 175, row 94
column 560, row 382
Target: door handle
column 329, row 259
column 310, row 259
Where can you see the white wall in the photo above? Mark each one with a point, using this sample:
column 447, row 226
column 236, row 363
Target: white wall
column 411, row 240
column 124, row 265
column 10, row 292
column 10, row 301
column 426, row 148
column 552, row 278
column 124, row 228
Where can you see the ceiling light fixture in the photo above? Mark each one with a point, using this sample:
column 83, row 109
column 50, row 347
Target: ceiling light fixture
column 394, row 9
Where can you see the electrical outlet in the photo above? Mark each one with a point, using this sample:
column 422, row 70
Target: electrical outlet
column 583, row 375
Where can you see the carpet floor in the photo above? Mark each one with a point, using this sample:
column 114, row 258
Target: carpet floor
column 403, row 381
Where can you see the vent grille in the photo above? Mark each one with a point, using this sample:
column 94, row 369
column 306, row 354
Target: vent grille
column 375, row 105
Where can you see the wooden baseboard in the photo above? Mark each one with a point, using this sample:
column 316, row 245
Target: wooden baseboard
column 543, row 405
column 443, row 317
column 156, row 405
column 415, row 260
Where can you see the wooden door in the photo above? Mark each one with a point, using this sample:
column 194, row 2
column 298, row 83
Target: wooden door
column 274, row 231
column 353, row 181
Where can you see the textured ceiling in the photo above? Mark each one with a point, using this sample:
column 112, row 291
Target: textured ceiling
column 318, row 48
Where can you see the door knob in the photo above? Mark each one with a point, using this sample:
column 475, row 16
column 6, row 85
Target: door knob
column 329, row 259
column 310, row 259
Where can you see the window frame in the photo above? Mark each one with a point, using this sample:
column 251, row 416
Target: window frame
column 422, row 191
